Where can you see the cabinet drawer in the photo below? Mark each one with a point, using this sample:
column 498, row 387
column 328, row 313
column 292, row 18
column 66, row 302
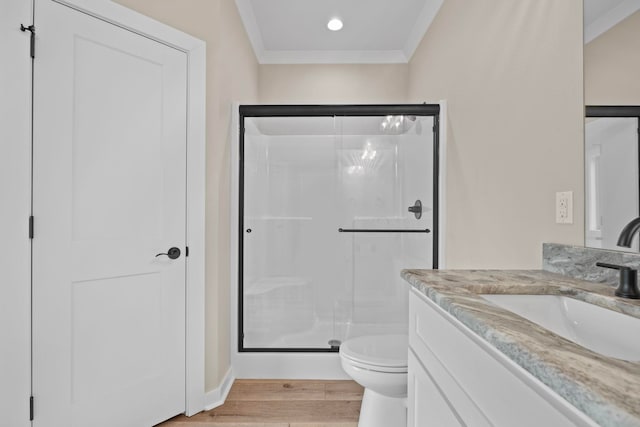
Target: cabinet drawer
column 428, row 406
column 500, row 390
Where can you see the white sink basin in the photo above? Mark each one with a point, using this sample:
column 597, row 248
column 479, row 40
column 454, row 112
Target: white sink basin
column 601, row 330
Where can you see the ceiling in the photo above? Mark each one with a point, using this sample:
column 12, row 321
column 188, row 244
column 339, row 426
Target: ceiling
column 375, row 31
column 601, row 15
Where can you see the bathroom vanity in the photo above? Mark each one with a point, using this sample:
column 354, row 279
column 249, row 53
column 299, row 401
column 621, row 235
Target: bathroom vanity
column 472, row 362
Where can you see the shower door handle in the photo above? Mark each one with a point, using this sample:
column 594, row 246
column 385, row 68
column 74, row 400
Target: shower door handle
column 382, row 230
column 416, row 209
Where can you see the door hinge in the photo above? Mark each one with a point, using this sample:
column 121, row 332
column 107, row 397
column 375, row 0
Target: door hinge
column 186, row 251
column 32, row 30
column 31, row 227
column 31, row 408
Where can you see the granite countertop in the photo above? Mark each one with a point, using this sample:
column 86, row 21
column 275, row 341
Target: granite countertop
column 604, row 388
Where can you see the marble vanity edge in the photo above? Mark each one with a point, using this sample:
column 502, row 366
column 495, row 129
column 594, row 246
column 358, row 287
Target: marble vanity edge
column 460, row 305
column 580, row 262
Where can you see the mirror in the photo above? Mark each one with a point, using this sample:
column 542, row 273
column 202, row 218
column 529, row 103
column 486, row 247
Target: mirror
column 612, row 119
column 612, row 177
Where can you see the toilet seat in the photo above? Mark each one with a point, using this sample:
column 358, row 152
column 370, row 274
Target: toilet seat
column 380, row 353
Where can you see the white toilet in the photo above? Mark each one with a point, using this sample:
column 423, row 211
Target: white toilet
column 379, row 364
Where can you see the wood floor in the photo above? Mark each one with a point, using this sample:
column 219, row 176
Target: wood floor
column 282, row 403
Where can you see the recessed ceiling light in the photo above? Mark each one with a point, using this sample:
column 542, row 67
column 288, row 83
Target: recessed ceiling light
column 335, row 24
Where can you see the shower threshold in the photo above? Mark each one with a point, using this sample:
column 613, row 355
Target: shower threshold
column 321, row 336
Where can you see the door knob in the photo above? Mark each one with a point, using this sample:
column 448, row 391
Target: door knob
column 172, row 253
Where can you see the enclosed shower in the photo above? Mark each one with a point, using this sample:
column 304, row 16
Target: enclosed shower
column 333, row 202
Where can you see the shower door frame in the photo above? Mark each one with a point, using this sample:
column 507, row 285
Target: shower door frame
column 364, row 110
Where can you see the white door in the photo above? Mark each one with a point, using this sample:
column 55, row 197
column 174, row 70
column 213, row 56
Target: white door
column 109, row 194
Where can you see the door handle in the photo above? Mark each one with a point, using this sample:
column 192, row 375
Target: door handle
column 172, row 253
column 416, row 209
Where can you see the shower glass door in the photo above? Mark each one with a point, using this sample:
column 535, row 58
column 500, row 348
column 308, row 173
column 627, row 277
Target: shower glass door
column 326, row 226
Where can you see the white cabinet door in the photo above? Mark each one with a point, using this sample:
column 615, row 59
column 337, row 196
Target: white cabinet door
column 109, row 194
column 428, row 407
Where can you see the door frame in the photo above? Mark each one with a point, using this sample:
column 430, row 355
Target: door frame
column 15, row 195
column 195, row 51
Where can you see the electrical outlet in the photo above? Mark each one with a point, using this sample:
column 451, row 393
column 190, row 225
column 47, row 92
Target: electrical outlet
column 564, row 207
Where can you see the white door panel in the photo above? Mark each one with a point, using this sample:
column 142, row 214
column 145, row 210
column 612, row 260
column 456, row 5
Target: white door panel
column 109, row 194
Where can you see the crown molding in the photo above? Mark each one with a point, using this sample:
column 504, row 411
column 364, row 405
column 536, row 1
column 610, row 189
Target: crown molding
column 610, row 19
column 426, row 17
column 250, row 25
column 332, row 57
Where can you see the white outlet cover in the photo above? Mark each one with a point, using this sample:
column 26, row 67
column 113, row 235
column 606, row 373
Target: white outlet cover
column 564, row 207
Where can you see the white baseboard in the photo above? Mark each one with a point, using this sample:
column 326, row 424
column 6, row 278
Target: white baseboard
column 217, row 396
